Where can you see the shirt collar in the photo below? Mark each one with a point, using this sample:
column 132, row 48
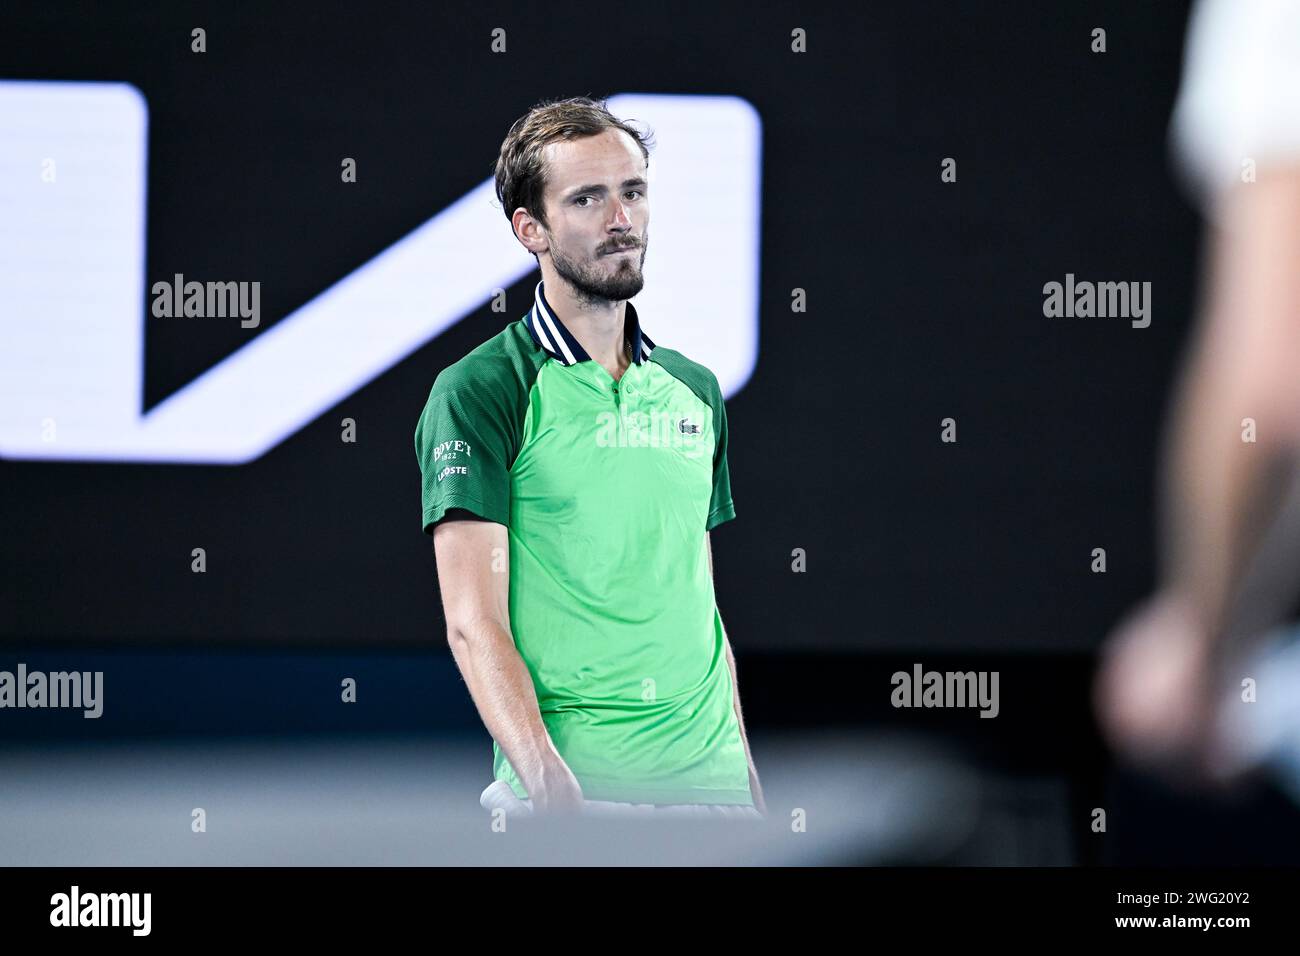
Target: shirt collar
column 549, row 332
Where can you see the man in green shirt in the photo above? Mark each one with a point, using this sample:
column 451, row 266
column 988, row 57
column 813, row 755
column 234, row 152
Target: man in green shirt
column 572, row 471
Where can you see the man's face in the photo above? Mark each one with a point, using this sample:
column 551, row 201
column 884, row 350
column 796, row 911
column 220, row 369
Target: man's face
column 597, row 205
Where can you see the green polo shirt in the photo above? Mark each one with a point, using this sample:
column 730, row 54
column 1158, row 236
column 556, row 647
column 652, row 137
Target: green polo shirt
column 606, row 490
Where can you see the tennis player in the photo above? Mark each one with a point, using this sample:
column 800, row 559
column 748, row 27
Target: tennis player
column 572, row 472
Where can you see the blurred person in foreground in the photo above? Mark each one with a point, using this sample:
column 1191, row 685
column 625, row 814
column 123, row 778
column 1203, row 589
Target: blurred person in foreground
column 1169, row 694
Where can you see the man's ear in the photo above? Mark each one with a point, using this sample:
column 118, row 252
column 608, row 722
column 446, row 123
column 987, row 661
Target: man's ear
column 530, row 233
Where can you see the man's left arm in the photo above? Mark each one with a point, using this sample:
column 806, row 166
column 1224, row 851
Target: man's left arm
column 755, row 788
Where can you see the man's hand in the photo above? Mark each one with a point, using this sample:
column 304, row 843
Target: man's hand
column 1156, row 697
column 555, row 791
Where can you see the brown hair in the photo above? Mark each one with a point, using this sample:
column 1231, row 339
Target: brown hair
column 520, row 171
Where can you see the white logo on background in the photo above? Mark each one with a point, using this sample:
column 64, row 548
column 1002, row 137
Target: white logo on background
column 72, row 283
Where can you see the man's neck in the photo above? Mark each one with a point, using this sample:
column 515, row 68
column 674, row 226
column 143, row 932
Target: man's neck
column 598, row 326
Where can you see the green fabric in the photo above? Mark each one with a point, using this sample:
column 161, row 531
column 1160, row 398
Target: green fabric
column 704, row 384
column 607, row 490
column 480, row 401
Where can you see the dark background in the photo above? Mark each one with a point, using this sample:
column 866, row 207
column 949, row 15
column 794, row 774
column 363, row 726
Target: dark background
column 925, row 302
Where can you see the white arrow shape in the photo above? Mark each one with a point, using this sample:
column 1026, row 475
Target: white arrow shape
column 72, row 284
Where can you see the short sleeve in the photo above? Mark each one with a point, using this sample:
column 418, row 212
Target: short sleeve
column 463, row 446
column 1239, row 101
column 721, row 507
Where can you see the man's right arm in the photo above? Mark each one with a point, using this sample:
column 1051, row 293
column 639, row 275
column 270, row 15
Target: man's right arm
column 474, row 575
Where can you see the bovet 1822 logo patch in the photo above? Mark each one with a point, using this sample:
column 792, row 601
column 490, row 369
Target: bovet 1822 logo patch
column 452, row 450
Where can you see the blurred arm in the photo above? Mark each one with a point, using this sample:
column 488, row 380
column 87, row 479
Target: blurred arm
column 1221, row 493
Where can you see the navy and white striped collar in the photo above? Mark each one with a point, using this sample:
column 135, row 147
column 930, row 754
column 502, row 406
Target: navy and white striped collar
column 558, row 342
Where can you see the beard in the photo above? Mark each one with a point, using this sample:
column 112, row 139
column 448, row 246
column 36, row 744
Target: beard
column 594, row 283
